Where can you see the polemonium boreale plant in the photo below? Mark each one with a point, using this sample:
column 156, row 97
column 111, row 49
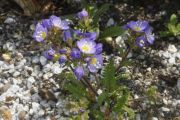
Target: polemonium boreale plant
column 94, row 87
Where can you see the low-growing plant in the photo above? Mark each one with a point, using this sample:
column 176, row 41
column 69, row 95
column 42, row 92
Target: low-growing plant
column 95, row 89
column 173, row 27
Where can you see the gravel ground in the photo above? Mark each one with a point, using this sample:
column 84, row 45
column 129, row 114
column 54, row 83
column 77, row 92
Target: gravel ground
column 29, row 89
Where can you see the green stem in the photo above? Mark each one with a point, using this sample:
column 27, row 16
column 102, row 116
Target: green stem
column 90, row 86
column 123, row 59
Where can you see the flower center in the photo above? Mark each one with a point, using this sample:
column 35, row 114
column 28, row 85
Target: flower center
column 137, row 28
column 85, row 48
column 93, row 61
column 43, row 34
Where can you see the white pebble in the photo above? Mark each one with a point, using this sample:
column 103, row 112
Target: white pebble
column 16, row 74
column 9, row 20
column 172, row 48
column 43, row 60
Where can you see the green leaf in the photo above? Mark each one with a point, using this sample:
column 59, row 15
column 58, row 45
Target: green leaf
column 74, row 86
column 129, row 111
column 121, row 101
column 112, row 32
column 165, row 33
column 127, row 63
column 77, row 91
column 100, row 12
column 102, row 98
column 108, row 77
column 173, row 19
column 151, row 93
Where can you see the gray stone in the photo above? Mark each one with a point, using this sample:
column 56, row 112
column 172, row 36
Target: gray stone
column 110, row 22
column 56, row 68
column 172, row 60
column 43, row 60
column 9, row 46
column 164, row 109
column 16, row 73
column 138, row 117
column 30, row 81
column 166, row 54
column 9, row 20
column 35, row 59
column 154, row 118
column 178, row 85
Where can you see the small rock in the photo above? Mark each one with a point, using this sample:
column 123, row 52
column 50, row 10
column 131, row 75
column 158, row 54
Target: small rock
column 5, row 88
column 22, row 115
column 47, row 75
column 99, row 91
column 154, row 118
column 56, row 68
column 108, row 39
column 164, row 109
column 172, row 49
column 142, row 57
column 16, row 73
column 47, row 95
column 35, row 59
column 178, row 85
column 138, row 117
column 166, row 54
column 9, row 20
column 172, row 60
column 110, row 22
column 30, row 81
column 149, row 69
column 5, row 112
column 9, row 46
column 43, row 60
column 32, row 27
column 165, row 101
column 6, row 57
column 41, row 112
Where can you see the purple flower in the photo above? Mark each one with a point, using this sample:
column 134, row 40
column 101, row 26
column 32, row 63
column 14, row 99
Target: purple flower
column 62, row 59
column 46, row 23
column 57, row 22
column 149, row 36
column 95, row 63
column 49, row 54
column 79, row 72
column 90, row 35
column 137, row 26
column 86, row 46
column 40, row 33
column 67, row 35
column 75, row 53
column 63, row 51
column 141, row 41
column 99, row 48
column 83, row 14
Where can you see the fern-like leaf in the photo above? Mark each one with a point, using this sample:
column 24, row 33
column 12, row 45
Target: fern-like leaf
column 108, row 79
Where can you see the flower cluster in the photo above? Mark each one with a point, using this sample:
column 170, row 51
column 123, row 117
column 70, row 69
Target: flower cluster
column 142, row 32
column 70, row 46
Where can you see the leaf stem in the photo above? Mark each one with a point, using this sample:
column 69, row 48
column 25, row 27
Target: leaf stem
column 90, row 86
column 123, row 59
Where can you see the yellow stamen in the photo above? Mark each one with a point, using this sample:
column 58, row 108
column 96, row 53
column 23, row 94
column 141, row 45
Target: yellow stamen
column 85, row 48
column 137, row 28
column 93, row 61
column 43, row 34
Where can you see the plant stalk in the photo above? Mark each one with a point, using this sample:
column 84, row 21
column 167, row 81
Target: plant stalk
column 123, row 59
